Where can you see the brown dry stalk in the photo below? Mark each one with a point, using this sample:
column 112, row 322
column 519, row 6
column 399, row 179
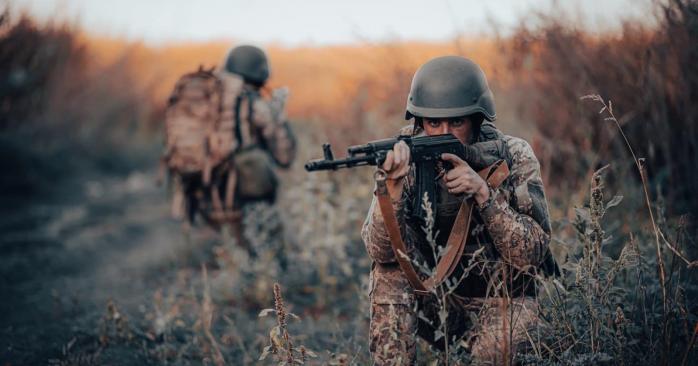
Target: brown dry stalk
column 504, row 310
column 281, row 320
column 640, row 164
column 207, row 319
column 690, row 345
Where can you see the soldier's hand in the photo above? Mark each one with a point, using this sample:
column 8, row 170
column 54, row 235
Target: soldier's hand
column 462, row 179
column 397, row 162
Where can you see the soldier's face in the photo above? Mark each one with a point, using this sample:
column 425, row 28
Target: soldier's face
column 460, row 127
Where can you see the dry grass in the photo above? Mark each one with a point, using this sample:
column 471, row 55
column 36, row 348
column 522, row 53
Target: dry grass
column 628, row 293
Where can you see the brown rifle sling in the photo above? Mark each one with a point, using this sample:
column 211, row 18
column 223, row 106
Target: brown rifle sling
column 494, row 175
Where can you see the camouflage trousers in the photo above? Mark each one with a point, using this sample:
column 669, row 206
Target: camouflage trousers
column 491, row 329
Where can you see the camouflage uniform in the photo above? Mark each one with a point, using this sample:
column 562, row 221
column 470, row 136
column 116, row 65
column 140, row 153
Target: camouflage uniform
column 247, row 122
column 263, row 124
column 268, row 127
column 514, row 228
column 251, row 125
column 257, row 128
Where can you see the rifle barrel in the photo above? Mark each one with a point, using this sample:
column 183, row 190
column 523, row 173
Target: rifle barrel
column 322, row 164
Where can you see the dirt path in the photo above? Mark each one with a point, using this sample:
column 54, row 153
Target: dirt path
column 62, row 259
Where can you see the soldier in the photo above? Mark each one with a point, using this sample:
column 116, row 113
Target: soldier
column 511, row 231
column 225, row 140
column 262, row 131
column 260, row 126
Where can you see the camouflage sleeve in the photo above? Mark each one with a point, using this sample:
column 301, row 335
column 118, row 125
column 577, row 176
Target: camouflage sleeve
column 282, row 143
column 276, row 132
column 374, row 234
column 519, row 225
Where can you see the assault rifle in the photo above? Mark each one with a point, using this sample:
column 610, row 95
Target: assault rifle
column 425, row 153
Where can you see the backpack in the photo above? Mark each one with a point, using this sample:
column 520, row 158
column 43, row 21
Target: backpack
column 195, row 139
column 208, row 118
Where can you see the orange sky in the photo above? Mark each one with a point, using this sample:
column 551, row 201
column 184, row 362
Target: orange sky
column 320, row 78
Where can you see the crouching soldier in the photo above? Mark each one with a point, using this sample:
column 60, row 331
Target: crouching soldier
column 224, row 140
column 505, row 223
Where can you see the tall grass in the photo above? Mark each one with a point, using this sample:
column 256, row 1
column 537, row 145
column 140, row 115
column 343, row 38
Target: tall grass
column 627, row 295
column 643, row 67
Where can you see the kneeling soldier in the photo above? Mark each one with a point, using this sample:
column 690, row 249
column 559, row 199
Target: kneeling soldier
column 506, row 243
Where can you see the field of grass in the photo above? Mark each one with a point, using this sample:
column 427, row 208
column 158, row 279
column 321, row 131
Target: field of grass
column 93, row 271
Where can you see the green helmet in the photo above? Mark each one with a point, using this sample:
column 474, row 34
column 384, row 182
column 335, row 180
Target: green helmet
column 450, row 86
column 250, row 62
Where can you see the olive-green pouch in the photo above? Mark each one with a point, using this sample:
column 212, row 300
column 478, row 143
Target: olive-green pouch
column 256, row 178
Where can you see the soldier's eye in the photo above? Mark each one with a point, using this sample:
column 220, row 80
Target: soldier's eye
column 434, row 124
column 456, row 122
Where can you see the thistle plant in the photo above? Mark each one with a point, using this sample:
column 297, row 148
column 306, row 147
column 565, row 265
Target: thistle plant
column 281, row 345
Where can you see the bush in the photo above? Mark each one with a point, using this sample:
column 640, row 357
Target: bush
column 643, row 68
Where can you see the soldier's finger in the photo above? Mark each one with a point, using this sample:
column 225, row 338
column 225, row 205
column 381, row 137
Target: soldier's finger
column 453, row 159
column 453, row 184
column 397, row 151
column 405, row 152
column 388, row 164
column 405, row 169
column 457, row 189
column 461, row 182
column 454, row 173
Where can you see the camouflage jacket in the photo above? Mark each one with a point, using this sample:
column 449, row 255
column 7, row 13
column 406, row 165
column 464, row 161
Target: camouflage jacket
column 514, row 224
column 257, row 121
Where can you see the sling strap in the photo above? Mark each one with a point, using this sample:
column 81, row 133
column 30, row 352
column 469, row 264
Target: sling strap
column 494, row 175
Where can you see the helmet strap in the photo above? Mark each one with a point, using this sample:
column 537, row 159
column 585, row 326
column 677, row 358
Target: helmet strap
column 418, row 125
column 418, row 122
column 476, row 120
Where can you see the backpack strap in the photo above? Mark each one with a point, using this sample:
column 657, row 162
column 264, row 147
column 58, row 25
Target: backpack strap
column 230, row 184
column 251, row 96
column 238, row 128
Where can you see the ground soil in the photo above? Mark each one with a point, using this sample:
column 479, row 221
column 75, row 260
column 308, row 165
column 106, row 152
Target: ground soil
column 65, row 253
